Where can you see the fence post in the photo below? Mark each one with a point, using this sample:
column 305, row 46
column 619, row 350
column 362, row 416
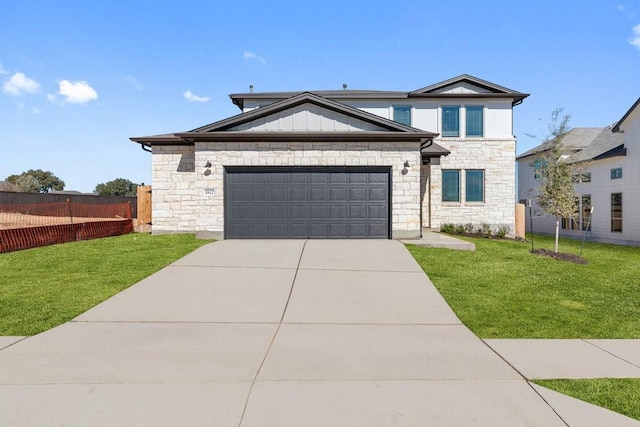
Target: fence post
column 72, row 233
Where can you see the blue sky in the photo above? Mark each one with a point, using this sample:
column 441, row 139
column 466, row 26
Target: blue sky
column 78, row 78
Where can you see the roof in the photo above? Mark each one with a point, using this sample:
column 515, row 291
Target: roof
column 616, row 128
column 586, row 144
column 223, row 130
column 493, row 91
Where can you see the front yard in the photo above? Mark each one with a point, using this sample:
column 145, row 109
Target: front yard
column 503, row 291
column 44, row 287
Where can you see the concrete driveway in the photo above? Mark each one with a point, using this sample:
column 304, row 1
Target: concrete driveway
column 269, row 333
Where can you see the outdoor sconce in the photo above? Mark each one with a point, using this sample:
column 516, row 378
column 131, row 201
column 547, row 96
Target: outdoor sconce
column 208, row 164
column 405, row 170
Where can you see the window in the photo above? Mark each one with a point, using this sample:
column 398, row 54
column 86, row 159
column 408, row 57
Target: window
column 616, row 173
column 585, row 212
column 474, row 186
column 538, row 166
column 450, row 185
column 451, row 121
column 402, row 114
column 582, row 177
column 475, row 120
column 616, row 212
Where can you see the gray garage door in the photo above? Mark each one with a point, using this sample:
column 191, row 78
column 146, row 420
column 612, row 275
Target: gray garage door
column 301, row 203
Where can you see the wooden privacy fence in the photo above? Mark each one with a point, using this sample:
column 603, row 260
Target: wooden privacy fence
column 29, row 225
column 143, row 221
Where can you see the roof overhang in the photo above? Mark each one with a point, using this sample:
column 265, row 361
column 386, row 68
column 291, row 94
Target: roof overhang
column 301, row 136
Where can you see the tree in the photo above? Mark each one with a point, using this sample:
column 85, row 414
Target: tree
column 7, row 186
column 36, row 181
column 116, row 187
column 556, row 195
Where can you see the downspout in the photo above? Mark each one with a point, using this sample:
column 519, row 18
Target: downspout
column 148, row 150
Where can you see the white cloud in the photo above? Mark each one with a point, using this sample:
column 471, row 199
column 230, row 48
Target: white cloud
column 76, row 92
column 18, row 84
column 190, row 96
column 3, row 71
column 635, row 40
column 249, row 56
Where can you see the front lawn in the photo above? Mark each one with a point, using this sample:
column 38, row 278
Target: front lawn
column 44, row 287
column 503, row 291
column 617, row 394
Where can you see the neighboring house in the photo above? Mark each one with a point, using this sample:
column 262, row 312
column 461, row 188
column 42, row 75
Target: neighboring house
column 607, row 180
column 341, row 164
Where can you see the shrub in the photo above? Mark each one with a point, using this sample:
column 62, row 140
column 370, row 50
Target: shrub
column 448, row 228
column 502, row 231
column 485, row 229
column 460, row 229
column 468, row 228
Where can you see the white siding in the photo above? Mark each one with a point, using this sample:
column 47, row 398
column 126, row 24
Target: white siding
column 308, row 117
column 462, row 88
column 600, row 188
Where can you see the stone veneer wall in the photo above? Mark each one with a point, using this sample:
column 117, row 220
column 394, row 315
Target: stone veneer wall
column 193, row 201
column 497, row 158
column 173, row 200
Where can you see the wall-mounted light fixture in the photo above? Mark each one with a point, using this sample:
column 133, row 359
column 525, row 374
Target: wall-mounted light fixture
column 406, row 164
column 208, row 164
column 405, row 170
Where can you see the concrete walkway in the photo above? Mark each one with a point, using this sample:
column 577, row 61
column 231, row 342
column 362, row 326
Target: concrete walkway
column 276, row 333
column 434, row 239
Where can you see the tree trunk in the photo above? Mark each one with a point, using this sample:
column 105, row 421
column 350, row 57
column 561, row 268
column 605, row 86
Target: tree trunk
column 557, row 233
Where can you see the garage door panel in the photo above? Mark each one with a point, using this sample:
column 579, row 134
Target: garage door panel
column 240, row 194
column 378, row 212
column 298, row 194
column 279, row 194
column 259, row 178
column 337, row 194
column 378, row 194
column 378, row 178
column 307, row 202
column 259, row 194
column 318, row 194
column 259, row 212
column 279, row 212
column 357, row 194
column 298, row 230
column 357, row 212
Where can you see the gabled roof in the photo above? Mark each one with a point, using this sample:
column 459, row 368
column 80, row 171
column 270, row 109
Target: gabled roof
column 616, row 128
column 223, row 130
column 305, row 98
column 493, row 91
column 585, row 144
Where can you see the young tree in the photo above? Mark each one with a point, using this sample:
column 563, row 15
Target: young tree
column 116, row 187
column 556, row 194
column 36, row 181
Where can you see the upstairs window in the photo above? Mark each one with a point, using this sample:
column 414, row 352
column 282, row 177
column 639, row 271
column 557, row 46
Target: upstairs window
column 475, row 122
column 474, row 186
column 582, row 177
column 450, row 185
column 616, row 173
column 451, row 120
column 538, row 168
column 402, row 114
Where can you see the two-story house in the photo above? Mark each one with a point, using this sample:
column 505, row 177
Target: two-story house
column 607, row 181
column 341, row 164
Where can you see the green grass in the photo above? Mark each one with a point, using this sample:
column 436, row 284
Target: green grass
column 621, row 395
column 44, row 287
column 503, row 291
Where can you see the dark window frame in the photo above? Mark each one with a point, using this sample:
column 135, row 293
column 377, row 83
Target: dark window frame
column 445, row 197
